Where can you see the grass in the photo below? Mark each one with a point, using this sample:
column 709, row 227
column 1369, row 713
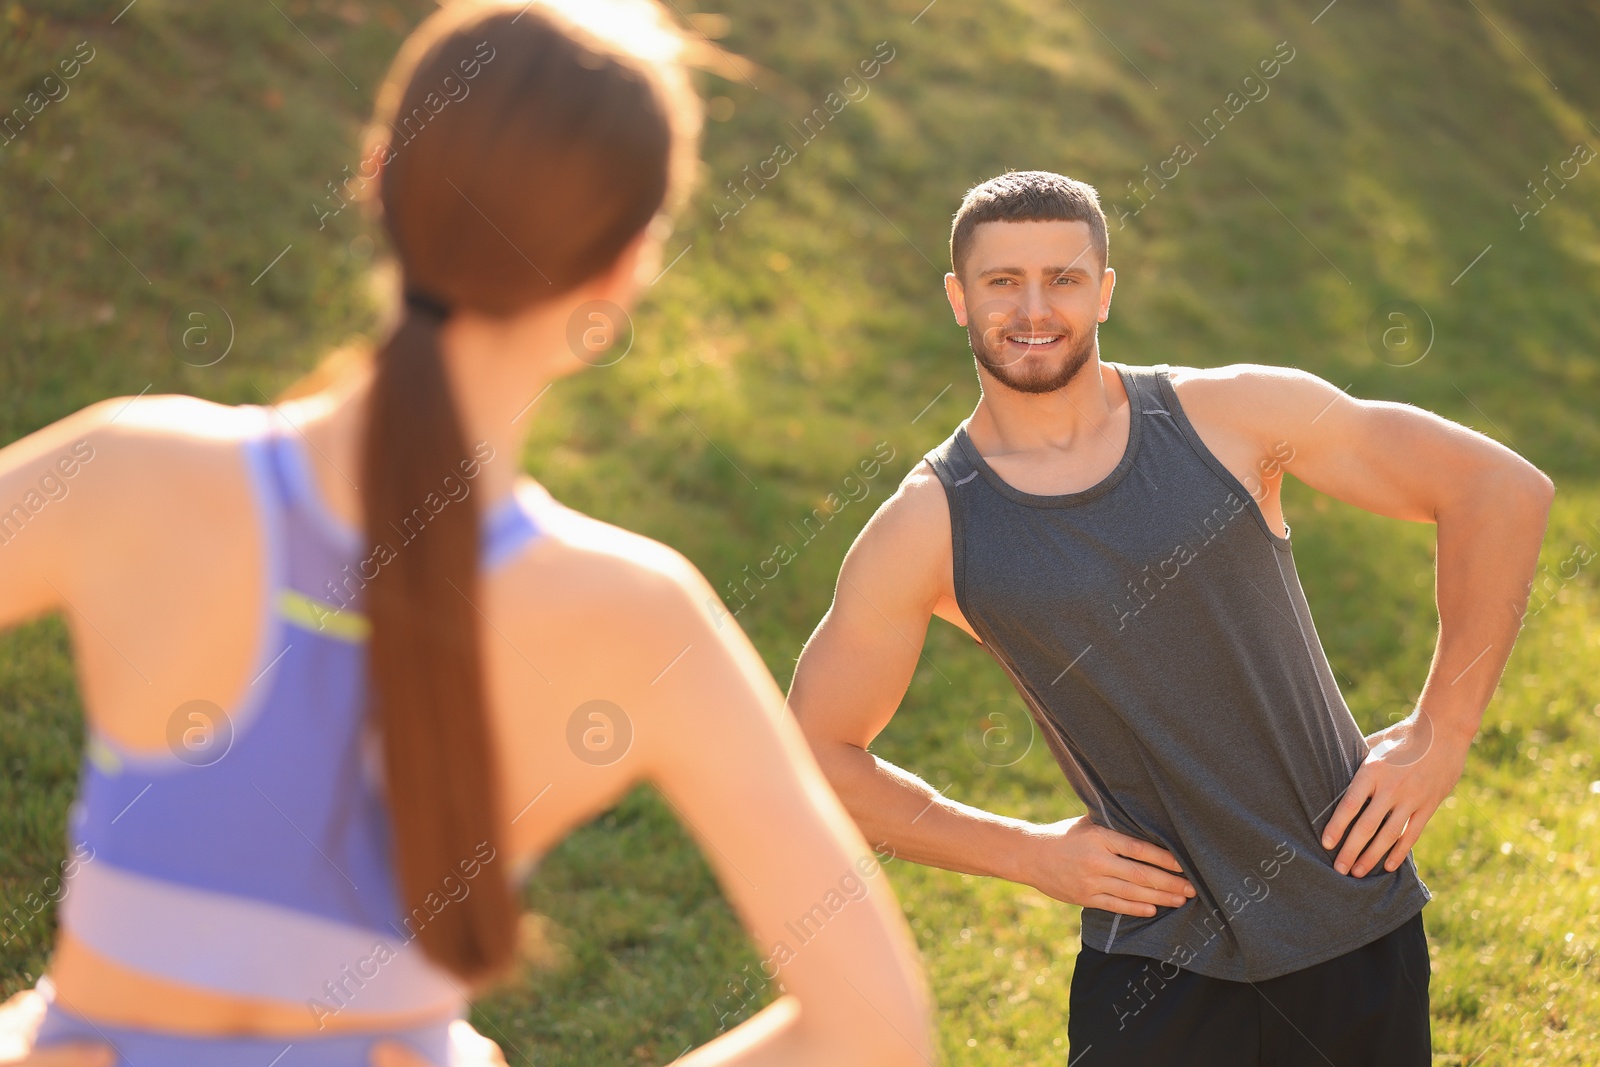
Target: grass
column 790, row 340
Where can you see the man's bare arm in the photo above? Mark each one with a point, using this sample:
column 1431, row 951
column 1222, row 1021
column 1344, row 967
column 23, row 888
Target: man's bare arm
column 1490, row 506
column 850, row 679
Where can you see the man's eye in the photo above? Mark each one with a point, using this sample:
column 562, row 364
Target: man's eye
column 1064, row 280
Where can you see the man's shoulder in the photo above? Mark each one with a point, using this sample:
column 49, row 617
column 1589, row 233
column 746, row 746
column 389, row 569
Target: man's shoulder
column 1238, row 395
column 1235, row 378
column 918, row 502
column 910, row 529
column 1240, row 381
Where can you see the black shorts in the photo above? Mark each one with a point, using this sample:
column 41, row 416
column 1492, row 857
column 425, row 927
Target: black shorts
column 1366, row 1008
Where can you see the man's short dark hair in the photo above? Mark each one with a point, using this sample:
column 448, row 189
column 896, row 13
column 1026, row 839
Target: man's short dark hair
column 1027, row 196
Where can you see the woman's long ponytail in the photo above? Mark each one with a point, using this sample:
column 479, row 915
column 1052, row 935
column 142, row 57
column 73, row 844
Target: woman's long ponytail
column 427, row 682
column 521, row 151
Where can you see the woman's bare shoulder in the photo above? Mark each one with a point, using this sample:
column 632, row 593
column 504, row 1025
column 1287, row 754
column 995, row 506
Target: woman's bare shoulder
column 578, row 550
column 170, row 436
column 124, row 458
column 588, row 583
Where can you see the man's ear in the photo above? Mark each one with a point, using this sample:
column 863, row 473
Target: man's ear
column 957, row 297
column 1108, row 282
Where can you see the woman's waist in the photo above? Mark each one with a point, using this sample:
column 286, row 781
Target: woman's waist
column 251, row 950
column 94, row 987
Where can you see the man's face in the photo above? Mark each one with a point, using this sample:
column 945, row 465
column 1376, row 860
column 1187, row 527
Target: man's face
column 1031, row 295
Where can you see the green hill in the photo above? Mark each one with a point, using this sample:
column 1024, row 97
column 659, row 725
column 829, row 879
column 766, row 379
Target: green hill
column 1423, row 151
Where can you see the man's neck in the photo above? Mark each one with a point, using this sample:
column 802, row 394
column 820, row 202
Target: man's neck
column 1007, row 421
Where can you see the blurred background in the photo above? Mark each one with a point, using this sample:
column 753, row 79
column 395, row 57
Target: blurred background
column 1401, row 198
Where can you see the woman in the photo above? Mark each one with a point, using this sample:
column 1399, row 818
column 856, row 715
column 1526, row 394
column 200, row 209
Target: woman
column 267, row 870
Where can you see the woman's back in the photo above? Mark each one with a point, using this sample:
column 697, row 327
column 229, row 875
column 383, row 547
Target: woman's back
column 230, row 827
column 250, row 853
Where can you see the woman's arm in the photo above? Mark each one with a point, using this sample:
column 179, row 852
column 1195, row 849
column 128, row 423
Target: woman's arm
column 41, row 478
column 621, row 619
column 738, row 772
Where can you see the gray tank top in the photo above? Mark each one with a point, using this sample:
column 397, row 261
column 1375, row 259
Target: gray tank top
column 1156, row 628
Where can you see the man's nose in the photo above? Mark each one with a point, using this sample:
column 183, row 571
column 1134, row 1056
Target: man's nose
column 1035, row 305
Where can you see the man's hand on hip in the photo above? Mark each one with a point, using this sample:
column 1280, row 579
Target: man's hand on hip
column 1410, row 768
column 1081, row 863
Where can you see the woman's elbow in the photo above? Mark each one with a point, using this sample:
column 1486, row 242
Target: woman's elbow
column 1516, row 487
column 1536, row 491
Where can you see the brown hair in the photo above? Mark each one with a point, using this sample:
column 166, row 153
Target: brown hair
column 522, row 151
column 1028, row 196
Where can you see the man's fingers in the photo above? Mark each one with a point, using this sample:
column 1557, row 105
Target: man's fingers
column 1360, row 834
column 1414, row 826
column 1141, row 894
column 1107, row 902
column 1132, row 898
column 1387, row 835
column 1154, row 877
column 1360, row 789
column 1144, row 851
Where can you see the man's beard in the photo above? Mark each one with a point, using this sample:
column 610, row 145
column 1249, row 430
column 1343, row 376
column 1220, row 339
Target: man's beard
column 1005, row 373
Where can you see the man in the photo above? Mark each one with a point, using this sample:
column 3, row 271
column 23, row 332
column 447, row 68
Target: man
column 1113, row 536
